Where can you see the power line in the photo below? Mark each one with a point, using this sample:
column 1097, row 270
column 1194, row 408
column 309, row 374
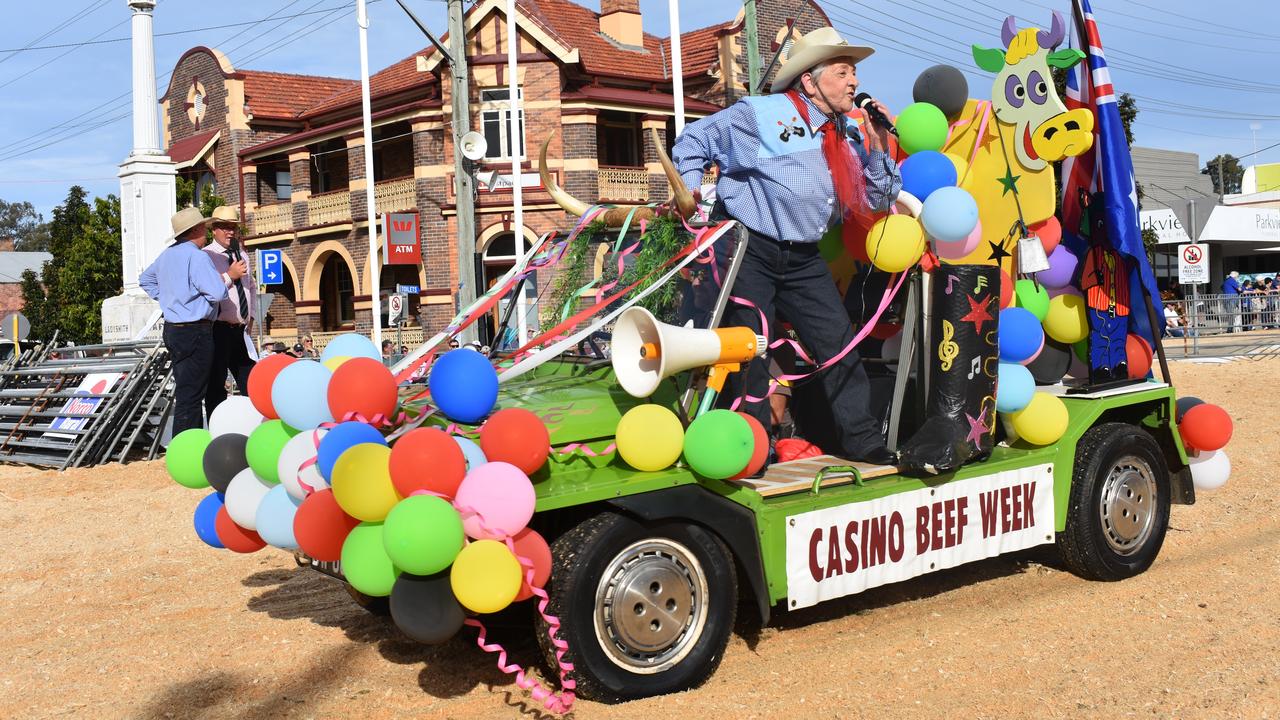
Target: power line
column 94, row 5
column 58, row 57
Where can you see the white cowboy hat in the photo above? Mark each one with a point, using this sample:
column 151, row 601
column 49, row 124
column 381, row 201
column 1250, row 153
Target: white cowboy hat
column 185, row 219
column 225, row 214
column 814, row 48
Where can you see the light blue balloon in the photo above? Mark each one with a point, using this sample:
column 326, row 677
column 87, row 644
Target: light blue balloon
column 1014, row 387
column 350, row 345
column 275, row 518
column 950, row 214
column 471, row 451
column 300, row 394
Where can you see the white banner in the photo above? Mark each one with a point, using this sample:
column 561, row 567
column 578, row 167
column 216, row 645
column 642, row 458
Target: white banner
column 1166, row 224
column 850, row 548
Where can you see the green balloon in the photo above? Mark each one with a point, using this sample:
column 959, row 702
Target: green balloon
column 831, row 246
column 921, row 126
column 184, row 458
column 422, row 534
column 365, row 563
column 264, row 446
column 719, row 444
column 1034, row 298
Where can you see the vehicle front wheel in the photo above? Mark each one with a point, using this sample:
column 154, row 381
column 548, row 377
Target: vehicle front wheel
column 645, row 609
column 1119, row 507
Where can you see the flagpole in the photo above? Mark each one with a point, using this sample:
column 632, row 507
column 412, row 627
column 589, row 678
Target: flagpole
column 516, row 148
column 677, row 64
column 375, row 266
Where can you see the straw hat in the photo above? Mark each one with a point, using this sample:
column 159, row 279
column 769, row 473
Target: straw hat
column 185, row 219
column 814, row 48
column 225, row 214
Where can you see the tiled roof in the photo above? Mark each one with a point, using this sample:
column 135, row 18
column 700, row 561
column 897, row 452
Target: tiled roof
column 185, row 150
column 281, row 95
column 388, row 81
column 580, row 28
column 699, row 49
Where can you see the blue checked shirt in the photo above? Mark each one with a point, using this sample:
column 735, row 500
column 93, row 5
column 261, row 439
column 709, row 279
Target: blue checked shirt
column 185, row 284
column 773, row 176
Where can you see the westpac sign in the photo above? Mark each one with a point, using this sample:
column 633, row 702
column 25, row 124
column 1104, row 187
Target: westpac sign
column 402, row 239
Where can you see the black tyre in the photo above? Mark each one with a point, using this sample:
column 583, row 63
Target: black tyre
column 374, row 605
column 645, row 609
column 1119, row 507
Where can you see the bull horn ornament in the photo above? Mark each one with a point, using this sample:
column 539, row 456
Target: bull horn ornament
column 681, row 199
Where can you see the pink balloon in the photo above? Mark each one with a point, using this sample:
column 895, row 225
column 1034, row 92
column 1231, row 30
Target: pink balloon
column 496, row 500
column 957, row 250
column 1036, row 354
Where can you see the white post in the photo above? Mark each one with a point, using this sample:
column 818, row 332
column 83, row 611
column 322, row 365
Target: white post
column 516, row 148
column 146, row 136
column 375, row 265
column 677, row 65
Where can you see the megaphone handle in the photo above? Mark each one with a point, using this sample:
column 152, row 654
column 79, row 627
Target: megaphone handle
column 715, row 384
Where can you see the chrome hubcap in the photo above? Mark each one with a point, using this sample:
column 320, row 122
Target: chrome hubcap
column 1128, row 505
column 651, row 605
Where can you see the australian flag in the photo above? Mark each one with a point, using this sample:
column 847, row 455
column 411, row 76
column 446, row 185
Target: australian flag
column 1108, row 168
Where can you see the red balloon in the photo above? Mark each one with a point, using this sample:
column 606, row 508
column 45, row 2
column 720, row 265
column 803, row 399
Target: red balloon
column 885, row 330
column 1006, row 290
column 531, row 546
column 1138, row 356
column 234, row 537
column 1206, row 428
column 516, row 436
column 261, row 378
column 362, row 387
column 796, row 449
column 1050, row 233
column 427, row 459
column 320, row 526
column 761, row 452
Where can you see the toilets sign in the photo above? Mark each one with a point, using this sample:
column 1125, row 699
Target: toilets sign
column 402, row 239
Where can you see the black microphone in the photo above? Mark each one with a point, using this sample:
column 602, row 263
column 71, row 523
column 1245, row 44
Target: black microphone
column 864, row 101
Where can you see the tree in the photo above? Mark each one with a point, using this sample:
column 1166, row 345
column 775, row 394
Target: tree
column 20, row 221
column 33, row 305
column 1226, row 173
column 186, row 190
column 91, row 273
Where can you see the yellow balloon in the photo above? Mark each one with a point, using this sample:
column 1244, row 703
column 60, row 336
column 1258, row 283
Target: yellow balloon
column 361, row 482
column 485, row 576
column 1067, row 321
column 650, row 437
column 962, row 166
column 333, row 362
column 895, row 243
column 1043, row 421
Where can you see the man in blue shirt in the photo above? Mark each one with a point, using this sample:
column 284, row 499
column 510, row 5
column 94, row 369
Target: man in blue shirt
column 189, row 289
column 791, row 166
column 1231, row 303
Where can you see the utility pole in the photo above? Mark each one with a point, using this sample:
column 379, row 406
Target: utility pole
column 464, row 183
column 753, row 47
column 375, row 266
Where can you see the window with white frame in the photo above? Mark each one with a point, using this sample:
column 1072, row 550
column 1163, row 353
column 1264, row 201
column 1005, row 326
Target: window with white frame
column 496, row 124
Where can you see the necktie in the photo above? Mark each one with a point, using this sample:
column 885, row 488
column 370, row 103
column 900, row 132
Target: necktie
column 240, row 296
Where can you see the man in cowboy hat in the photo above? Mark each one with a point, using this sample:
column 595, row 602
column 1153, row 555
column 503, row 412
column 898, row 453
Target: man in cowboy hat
column 792, row 165
column 183, row 281
column 234, row 321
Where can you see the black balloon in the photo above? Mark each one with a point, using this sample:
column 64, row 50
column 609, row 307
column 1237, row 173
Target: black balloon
column 1185, row 404
column 425, row 609
column 223, row 458
column 943, row 86
column 1052, row 363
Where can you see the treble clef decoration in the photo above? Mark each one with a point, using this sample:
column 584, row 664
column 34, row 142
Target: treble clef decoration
column 948, row 349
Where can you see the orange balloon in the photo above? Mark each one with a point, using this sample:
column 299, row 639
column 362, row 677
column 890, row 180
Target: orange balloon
column 427, row 459
column 1006, row 289
column 761, row 452
column 234, row 537
column 516, row 436
column 363, row 387
column 261, row 377
column 1138, row 356
column 320, row 526
column 1050, row 233
column 532, row 547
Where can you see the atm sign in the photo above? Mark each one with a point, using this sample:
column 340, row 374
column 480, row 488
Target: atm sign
column 403, row 239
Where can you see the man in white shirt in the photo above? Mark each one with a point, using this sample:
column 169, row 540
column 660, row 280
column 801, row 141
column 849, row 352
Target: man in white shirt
column 235, row 314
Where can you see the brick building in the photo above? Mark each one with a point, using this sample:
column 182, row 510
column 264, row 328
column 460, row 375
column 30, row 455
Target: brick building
column 12, row 265
column 289, row 148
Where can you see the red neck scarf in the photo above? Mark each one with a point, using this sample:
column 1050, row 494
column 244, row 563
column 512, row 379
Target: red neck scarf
column 844, row 164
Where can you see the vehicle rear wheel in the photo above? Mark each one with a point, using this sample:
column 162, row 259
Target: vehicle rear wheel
column 1119, row 507
column 645, row 609
column 380, row 606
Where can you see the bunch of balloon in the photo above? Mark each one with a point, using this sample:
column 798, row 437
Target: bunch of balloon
column 1205, row 429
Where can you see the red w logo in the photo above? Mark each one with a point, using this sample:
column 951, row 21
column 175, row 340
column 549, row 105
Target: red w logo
column 402, row 225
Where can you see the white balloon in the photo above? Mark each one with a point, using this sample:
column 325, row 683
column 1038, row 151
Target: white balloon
column 890, row 349
column 236, row 415
column 1209, row 470
column 301, row 481
column 243, row 497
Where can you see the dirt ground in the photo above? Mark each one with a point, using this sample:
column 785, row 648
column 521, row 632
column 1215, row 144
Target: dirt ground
column 112, row 608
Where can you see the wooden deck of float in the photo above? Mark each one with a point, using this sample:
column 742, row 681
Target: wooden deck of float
column 797, row 475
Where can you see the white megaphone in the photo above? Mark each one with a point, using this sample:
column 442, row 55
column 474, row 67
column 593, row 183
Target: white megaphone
column 473, row 146
column 646, row 351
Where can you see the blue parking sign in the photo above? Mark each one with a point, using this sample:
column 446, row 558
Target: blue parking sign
column 271, row 266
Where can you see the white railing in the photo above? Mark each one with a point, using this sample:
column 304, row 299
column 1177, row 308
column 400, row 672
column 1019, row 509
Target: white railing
column 277, row 217
column 395, row 195
column 330, row 207
column 623, row 184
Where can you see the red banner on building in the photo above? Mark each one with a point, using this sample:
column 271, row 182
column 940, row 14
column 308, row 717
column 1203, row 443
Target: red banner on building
column 402, row 239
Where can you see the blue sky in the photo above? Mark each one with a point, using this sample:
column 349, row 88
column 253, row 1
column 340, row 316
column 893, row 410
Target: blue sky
column 1202, row 76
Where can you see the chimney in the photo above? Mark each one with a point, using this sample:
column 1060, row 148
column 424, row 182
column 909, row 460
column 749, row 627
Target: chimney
column 620, row 20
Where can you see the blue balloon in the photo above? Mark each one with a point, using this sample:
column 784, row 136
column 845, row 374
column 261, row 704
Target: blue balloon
column 926, row 171
column 275, row 518
column 339, row 438
column 1014, row 387
column 463, row 385
column 300, row 394
column 206, row 513
column 950, row 214
column 350, row 345
column 1020, row 335
column 471, row 451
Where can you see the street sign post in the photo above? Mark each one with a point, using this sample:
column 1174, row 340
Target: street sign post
column 1193, row 264
column 260, row 313
column 271, row 267
column 397, row 308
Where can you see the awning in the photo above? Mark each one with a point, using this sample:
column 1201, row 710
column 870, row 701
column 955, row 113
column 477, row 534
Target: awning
column 187, row 152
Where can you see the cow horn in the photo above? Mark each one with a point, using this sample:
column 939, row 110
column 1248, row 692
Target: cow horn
column 684, row 201
column 1008, row 31
column 569, row 203
column 1051, row 39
